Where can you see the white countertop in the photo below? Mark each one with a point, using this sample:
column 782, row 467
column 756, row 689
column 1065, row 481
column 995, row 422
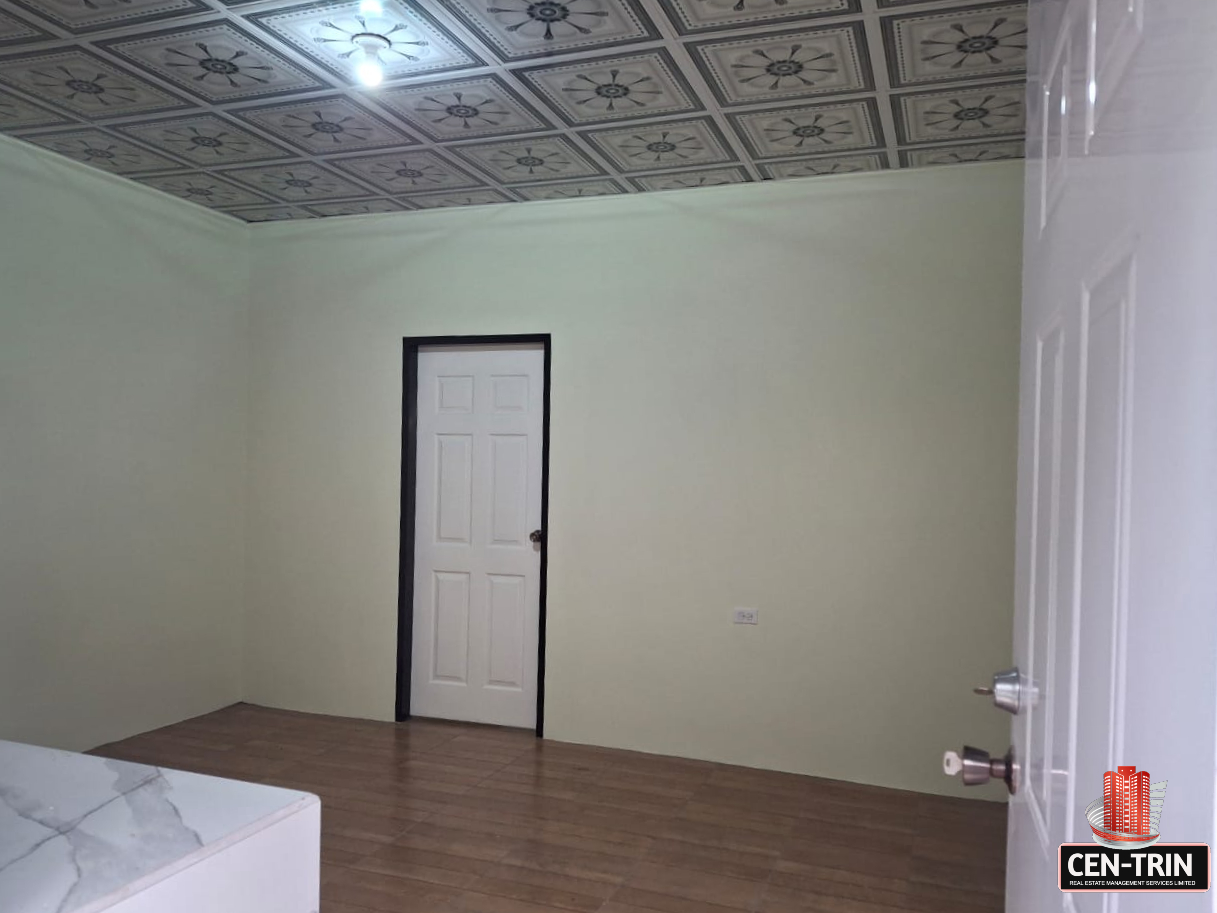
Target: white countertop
column 80, row 833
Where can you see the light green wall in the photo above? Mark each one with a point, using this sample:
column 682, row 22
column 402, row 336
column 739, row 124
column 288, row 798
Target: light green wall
column 123, row 331
column 799, row 396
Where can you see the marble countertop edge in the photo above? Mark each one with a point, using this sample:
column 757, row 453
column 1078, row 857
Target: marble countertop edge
column 144, row 882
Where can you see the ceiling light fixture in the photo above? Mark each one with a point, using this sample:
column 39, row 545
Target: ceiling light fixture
column 369, row 70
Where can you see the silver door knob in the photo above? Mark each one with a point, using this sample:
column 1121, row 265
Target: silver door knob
column 978, row 767
column 536, row 536
column 1006, row 691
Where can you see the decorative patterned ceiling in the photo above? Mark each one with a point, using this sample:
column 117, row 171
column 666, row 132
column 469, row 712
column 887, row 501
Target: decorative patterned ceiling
column 251, row 106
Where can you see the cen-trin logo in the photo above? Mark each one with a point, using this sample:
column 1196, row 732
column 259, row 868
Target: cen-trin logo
column 1124, row 823
column 1128, row 815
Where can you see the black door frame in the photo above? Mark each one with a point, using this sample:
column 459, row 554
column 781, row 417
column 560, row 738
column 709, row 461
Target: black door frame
column 409, row 478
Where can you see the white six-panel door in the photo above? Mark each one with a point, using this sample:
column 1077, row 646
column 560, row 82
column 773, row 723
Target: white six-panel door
column 1116, row 613
column 476, row 574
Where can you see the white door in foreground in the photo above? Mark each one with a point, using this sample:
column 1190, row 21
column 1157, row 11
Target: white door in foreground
column 1116, row 614
column 478, row 500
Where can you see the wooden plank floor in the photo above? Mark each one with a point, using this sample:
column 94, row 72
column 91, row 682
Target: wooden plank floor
column 445, row 817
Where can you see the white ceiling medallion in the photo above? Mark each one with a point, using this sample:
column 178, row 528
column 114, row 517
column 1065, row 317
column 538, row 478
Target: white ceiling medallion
column 703, row 15
column 93, row 147
column 463, row 109
column 571, row 190
column 467, row 198
column 354, row 40
column 84, row 84
column 973, row 42
column 656, row 147
column 821, row 167
column 400, row 173
column 961, row 114
column 549, row 158
column 204, row 189
column 79, row 16
column 269, row 214
column 614, row 88
column 687, row 180
column 821, row 61
column 204, row 139
column 519, row 29
column 323, row 126
column 216, row 61
column 355, row 208
column 965, row 154
column 296, row 182
column 16, row 113
column 786, row 132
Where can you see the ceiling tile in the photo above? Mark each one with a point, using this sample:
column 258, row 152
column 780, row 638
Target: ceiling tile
column 251, row 106
column 205, row 189
column 17, row 113
column 691, row 16
column 216, row 61
column 464, row 109
column 355, row 207
column 407, row 172
column 614, row 88
column 521, row 29
column 269, row 214
column 204, row 139
column 542, row 159
column 672, row 144
column 960, row 114
column 84, row 84
column 81, row 16
column 17, row 31
column 686, row 180
column 788, row 64
column 569, row 190
column 418, row 44
column 813, row 167
column 783, row 132
column 964, row 154
column 466, row 198
column 326, row 125
column 296, row 182
column 975, row 42
column 109, row 153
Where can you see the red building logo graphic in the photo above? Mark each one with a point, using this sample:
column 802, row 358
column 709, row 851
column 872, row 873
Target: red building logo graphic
column 1128, row 815
column 1126, row 800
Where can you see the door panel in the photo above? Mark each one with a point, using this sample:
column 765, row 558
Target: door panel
column 477, row 574
column 508, row 490
column 1116, row 602
column 450, row 651
column 507, row 623
column 453, row 487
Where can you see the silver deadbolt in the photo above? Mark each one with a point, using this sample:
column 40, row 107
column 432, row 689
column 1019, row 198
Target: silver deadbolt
column 979, row 768
column 1006, row 691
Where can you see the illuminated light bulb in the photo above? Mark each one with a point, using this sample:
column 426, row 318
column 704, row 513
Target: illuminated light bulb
column 369, row 72
column 371, row 7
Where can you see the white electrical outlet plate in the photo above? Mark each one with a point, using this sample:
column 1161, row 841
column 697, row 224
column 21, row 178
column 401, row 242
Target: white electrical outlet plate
column 747, row 616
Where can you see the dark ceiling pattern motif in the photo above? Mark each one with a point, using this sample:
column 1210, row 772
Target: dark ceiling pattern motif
column 253, row 108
